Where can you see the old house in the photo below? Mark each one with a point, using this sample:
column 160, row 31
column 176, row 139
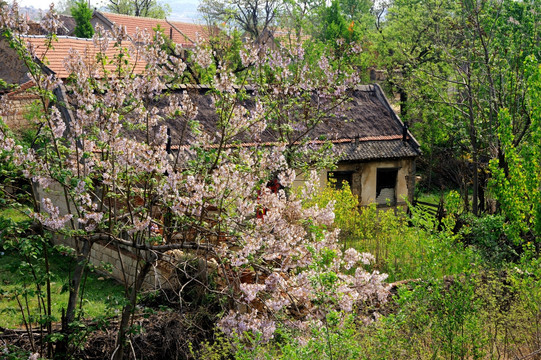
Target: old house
column 21, row 87
column 376, row 152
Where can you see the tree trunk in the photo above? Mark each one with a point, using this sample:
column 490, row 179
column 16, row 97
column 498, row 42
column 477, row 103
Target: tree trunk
column 127, row 311
column 75, row 285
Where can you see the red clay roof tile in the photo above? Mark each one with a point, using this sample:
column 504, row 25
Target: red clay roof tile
column 55, row 57
column 183, row 33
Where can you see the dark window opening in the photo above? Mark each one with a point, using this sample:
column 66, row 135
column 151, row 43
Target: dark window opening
column 386, row 186
column 337, row 178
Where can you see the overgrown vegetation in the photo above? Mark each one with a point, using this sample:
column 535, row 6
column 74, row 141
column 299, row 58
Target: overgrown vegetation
column 265, row 274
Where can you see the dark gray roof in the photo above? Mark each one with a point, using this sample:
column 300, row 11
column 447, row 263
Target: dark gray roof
column 375, row 150
column 368, row 129
column 68, row 25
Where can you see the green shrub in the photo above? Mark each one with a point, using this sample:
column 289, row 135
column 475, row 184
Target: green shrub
column 404, row 247
column 487, row 235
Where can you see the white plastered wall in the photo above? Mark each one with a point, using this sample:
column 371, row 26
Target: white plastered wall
column 364, row 179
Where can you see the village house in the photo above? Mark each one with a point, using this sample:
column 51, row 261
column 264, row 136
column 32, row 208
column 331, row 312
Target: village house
column 375, row 150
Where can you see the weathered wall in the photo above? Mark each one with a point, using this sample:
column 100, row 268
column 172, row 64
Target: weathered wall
column 364, row 179
column 12, row 69
column 404, row 182
column 118, row 262
column 16, row 117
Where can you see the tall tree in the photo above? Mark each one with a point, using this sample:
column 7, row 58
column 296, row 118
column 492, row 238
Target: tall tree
column 255, row 17
column 456, row 65
column 82, row 15
column 145, row 8
column 65, row 6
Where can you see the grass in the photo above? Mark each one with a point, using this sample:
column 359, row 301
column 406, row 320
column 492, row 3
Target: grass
column 14, row 214
column 17, row 283
column 100, row 293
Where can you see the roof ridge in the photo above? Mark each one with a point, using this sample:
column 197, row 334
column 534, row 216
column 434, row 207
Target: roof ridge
column 58, row 37
column 314, row 141
column 147, row 18
column 22, row 88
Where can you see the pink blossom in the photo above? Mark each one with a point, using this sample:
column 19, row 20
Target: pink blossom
column 53, row 220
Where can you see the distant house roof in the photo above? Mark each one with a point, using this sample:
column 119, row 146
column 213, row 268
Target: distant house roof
column 55, row 57
column 68, row 25
column 180, row 32
column 367, row 130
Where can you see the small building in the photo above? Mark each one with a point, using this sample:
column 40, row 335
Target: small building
column 376, row 151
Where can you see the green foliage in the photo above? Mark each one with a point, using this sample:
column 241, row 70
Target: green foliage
column 480, row 314
column 516, row 183
column 486, row 234
column 220, row 348
column 82, row 14
column 24, row 275
column 404, row 248
column 338, row 339
column 335, row 27
column 152, row 8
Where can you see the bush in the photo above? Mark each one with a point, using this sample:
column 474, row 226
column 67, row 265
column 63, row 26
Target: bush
column 486, row 234
column 404, row 248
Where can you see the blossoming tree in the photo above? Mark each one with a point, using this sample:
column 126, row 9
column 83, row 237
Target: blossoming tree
column 283, row 269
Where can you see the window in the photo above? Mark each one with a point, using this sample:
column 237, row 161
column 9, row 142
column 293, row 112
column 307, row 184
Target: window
column 386, row 186
column 339, row 177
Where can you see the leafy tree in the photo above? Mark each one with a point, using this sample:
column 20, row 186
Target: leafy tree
column 82, row 15
column 65, row 6
column 255, row 17
column 518, row 185
column 455, row 65
column 145, row 8
column 334, row 24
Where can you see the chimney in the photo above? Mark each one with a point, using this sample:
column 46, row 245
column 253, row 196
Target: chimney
column 405, row 131
column 357, row 140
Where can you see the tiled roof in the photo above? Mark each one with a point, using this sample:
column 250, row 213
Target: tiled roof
column 183, row 33
column 365, row 149
column 22, row 92
column 55, row 57
column 368, row 129
column 375, row 150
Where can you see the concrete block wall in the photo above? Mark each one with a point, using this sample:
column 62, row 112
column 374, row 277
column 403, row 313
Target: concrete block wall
column 119, row 264
column 103, row 253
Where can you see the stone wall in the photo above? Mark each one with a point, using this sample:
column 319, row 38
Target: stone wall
column 364, row 179
column 122, row 265
column 16, row 118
